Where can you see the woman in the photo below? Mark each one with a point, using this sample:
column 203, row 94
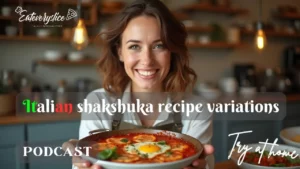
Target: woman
column 145, row 51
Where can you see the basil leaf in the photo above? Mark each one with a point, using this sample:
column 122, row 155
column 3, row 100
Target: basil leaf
column 161, row 142
column 279, row 165
column 144, row 155
column 266, row 153
column 124, row 140
column 169, row 153
column 105, row 154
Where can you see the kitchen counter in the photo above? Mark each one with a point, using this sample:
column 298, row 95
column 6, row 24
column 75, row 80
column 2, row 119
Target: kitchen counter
column 226, row 165
column 38, row 118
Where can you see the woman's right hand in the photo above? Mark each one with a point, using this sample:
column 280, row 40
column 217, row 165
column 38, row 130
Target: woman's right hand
column 78, row 161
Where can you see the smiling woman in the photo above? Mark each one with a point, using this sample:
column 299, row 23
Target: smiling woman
column 145, row 54
column 149, row 42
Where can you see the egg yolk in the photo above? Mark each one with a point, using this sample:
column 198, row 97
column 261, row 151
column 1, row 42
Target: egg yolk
column 149, row 148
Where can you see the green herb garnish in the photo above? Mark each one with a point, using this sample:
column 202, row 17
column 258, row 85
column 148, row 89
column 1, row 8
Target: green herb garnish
column 293, row 161
column 162, row 142
column 168, row 153
column 279, row 165
column 108, row 153
column 124, row 140
column 144, row 155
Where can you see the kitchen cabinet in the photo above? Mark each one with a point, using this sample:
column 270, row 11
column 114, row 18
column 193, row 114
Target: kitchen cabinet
column 293, row 115
column 261, row 130
column 12, row 139
column 51, row 135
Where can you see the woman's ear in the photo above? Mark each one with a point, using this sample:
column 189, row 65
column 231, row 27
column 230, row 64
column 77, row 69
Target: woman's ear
column 120, row 53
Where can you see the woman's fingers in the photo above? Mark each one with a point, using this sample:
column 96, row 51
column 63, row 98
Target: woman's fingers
column 77, row 161
column 208, row 150
column 70, row 145
column 199, row 163
column 96, row 167
column 80, row 163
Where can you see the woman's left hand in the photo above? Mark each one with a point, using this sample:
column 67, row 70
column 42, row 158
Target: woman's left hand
column 200, row 163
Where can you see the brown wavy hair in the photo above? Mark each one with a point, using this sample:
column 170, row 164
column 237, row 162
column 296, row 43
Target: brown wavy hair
column 173, row 35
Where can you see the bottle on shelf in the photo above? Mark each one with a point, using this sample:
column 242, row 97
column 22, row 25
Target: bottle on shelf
column 61, row 95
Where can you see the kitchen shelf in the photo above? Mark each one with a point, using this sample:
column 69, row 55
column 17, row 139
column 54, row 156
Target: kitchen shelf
column 7, row 18
column 223, row 45
column 67, row 62
column 60, row 2
column 215, row 9
column 33, row 38
column 271, row 33
column 180, row 15
column 85, row 62
column 289, row 16
column 46, row 39
column 107, row 11
column 198, row 29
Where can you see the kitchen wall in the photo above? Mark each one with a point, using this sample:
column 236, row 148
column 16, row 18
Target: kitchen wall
column 210, row 64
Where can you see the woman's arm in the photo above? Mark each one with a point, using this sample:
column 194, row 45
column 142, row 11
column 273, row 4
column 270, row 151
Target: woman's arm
column 201, row 128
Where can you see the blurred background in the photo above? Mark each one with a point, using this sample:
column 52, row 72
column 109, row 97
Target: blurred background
column 230, row 55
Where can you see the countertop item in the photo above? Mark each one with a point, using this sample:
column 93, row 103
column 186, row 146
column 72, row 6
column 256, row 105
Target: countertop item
column 11, row 30
column 289, row 135
column 6, row 11
column 53, row 55
column 75, row 56
column 43, row 33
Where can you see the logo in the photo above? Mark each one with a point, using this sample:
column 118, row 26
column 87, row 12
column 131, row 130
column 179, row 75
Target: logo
column 45, row 18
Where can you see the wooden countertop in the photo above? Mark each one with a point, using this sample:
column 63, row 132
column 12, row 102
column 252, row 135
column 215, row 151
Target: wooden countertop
column 226, row 165
column 13, row 119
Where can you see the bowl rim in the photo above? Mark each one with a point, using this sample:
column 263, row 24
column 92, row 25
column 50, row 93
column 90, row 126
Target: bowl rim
column 104, row 162
column 266, row 167
column 286, row 139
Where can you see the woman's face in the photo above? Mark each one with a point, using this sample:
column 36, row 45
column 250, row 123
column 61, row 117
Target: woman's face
column 146, row 60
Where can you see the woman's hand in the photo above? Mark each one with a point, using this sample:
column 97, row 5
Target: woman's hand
column 77, row 161
column 200, row 163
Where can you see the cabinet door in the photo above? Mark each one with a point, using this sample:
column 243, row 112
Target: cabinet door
column 12, row 139
column 293, row 116
column 51, row 135
column 218, row 141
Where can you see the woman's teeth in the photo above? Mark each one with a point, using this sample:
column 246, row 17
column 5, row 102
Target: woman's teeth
column 146, row 73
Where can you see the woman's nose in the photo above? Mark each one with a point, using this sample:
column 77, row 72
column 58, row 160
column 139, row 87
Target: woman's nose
column 147, row 58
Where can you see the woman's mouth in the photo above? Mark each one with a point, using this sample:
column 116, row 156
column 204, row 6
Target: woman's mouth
column 147, row 74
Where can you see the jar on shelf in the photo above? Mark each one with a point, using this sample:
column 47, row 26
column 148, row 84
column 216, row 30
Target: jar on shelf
column 61, row 95
column 233, row 35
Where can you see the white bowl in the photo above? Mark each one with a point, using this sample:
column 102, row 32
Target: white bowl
column 53, row 55
column 288, row 134
column 245, row 165
column 6, row 11
column 90, row 140
column 43, row 33
column 75, row 56
column 11, row 30
column 247, row 91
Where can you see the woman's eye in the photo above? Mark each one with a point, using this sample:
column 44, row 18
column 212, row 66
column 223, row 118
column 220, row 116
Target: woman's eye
column 134, row 47
column 159, row 46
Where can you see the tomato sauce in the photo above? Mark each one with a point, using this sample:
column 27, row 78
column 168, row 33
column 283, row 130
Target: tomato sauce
column 178, row 148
